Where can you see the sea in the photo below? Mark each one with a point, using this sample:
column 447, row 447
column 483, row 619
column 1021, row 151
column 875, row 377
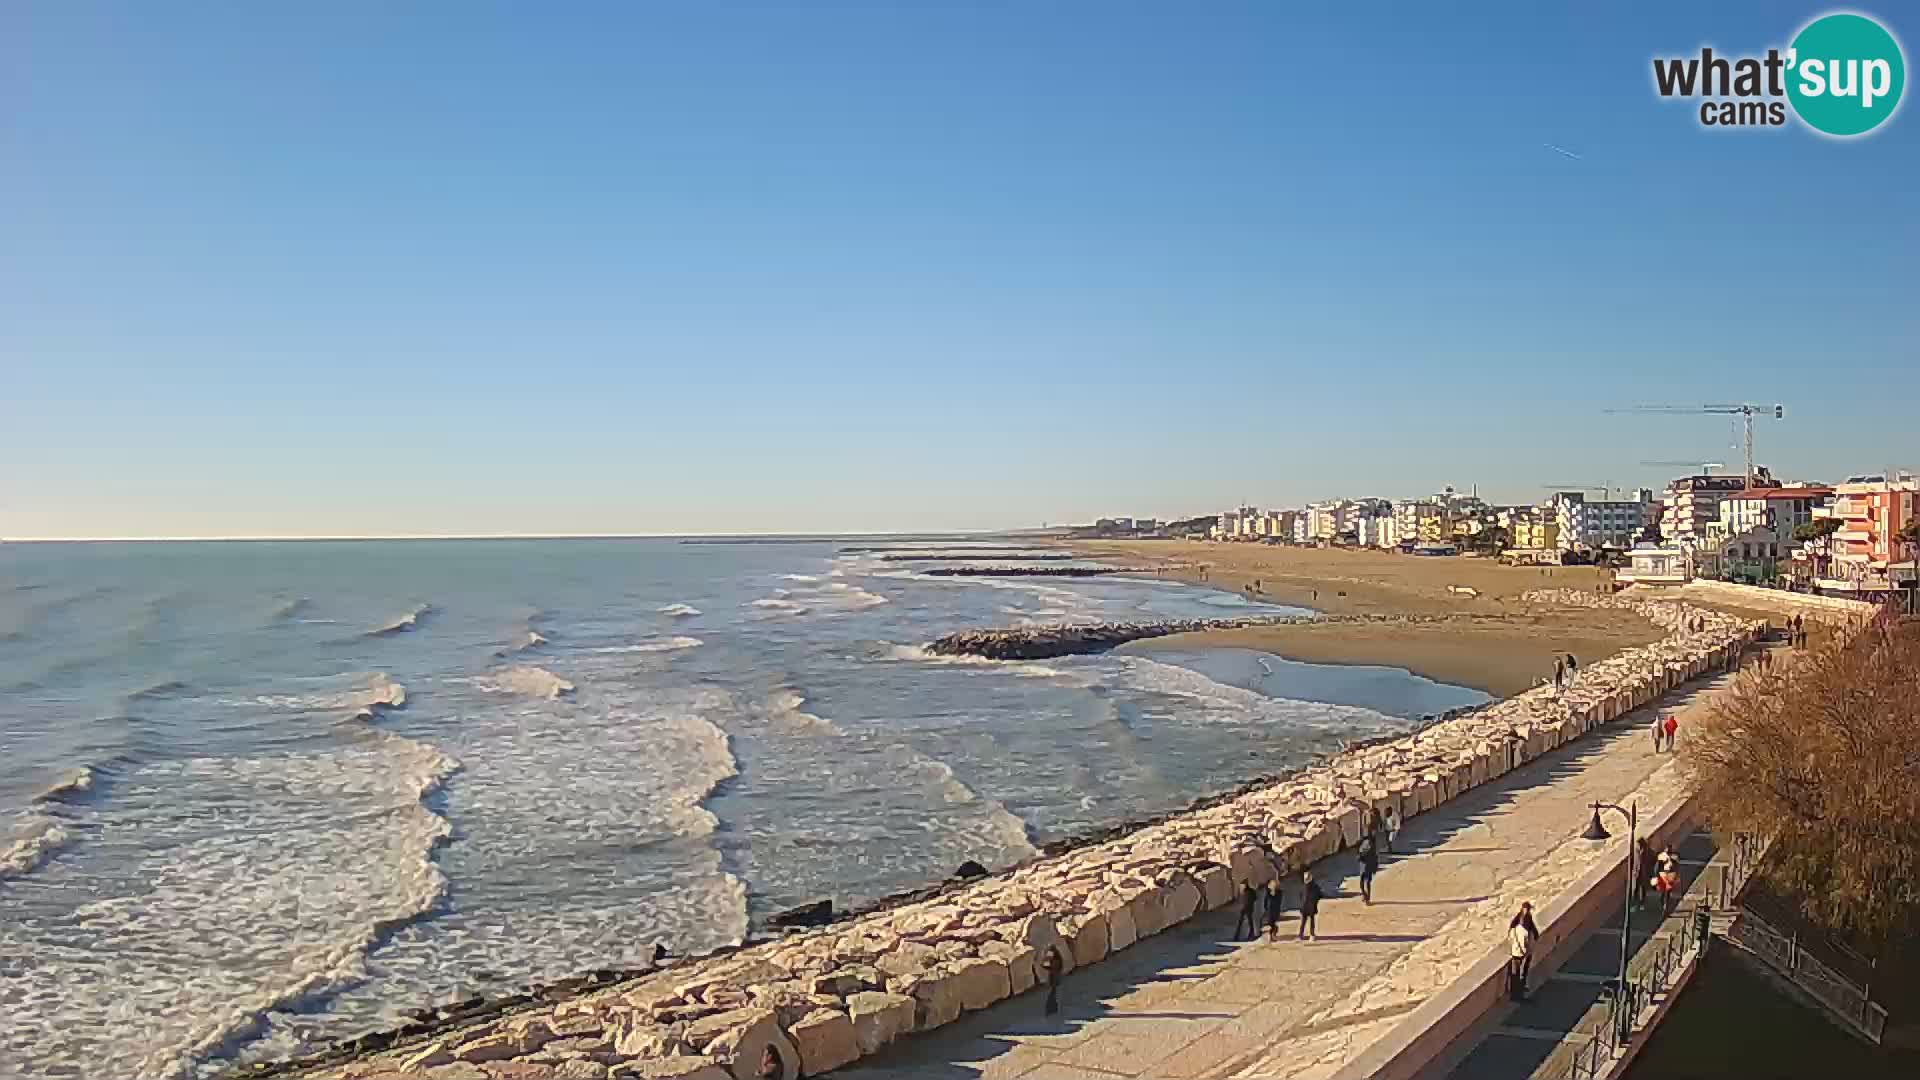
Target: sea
column 256, row 797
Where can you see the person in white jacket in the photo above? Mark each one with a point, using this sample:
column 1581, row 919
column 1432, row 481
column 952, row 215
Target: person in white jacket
column 1521, row 934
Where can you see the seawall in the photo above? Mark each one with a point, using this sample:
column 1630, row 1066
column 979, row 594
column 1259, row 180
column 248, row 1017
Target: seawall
column 818, row 1000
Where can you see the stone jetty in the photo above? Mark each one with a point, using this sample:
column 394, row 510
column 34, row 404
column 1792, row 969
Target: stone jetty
column 820, row 999
column 1074, row 639
column 1028, row 571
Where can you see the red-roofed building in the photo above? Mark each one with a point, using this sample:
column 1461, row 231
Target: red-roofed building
column 1754, row 531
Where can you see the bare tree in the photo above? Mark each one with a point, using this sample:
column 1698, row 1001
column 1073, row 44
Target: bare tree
column 1824, row 755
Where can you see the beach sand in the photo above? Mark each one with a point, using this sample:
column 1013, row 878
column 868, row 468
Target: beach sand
column 1499, row 644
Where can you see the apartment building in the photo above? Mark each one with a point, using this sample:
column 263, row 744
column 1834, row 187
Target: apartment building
column 1602, row 523
column 1691, row 503
column 1865, row 555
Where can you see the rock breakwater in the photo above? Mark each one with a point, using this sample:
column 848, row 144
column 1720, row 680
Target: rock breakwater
column 1071, row 639
column 820, row 999
column 1029, row 571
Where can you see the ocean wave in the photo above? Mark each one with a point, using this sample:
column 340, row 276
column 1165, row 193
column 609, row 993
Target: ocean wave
column 1005, row 826
column 780, row 604
column 289, row 608
column 1221, row 702
column 71, row 787
column 680, row 611
column 784, row 709
column 528, row 680
column 34, row 843
column 801, row 577
column 160, row 690
column 670, row 644
column 403, row 623
column 416, row 888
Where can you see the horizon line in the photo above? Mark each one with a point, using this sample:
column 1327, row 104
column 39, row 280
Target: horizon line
column 257, row 539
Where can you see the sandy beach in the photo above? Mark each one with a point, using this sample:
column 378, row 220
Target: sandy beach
column 1499, row 644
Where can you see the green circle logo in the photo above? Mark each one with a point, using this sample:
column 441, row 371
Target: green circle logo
column 1845, row 74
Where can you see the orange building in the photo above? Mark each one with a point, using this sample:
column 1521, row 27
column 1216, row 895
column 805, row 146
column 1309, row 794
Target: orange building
column 1864, row 556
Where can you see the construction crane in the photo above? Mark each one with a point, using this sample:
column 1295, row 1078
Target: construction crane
column 1706, row 467
column 1745, row 410
column 1603, row 489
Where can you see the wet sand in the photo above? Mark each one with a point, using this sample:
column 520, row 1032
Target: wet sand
column 1497, row 644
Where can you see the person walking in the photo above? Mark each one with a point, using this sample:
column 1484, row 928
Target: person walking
column 1643, row 867
column 1310, row 896
column 1670, row 725
column 1276, row 903
column 1667, row 880
column 1521, row 935
column 1573, row 668
column 1392, row 818
column 1659, row 730
column 1249, row 913
column 1559, row 674
column 1053, row 964
column 1369, row 866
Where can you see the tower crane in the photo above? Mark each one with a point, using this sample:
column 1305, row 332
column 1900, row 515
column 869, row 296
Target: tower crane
column 1745, row 410
column 1706, row 467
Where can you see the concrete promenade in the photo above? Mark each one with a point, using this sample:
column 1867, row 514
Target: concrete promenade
column 1192, row 1003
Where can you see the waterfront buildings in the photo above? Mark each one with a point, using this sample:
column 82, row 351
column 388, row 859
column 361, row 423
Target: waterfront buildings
column 1692, row 502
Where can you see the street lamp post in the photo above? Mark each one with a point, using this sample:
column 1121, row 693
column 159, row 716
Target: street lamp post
column 1597, row 831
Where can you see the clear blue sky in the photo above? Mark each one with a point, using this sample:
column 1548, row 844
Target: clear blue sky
column 649, row 267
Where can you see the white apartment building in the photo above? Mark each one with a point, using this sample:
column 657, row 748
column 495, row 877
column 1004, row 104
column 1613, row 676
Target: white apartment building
column 1602, row 523
column 1691, row 503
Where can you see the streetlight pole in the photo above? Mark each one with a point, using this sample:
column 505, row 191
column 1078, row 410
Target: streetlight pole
column 1597, row 831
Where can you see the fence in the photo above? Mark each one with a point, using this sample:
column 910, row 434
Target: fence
column 1649, row 974
column 1849, row 999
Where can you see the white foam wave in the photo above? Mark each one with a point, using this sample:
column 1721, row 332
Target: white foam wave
column 226, row 923
column 784, row 708
column 528, row 680
column 801, row 577
column 780, row 604
column 669, row 644
column 34, row 843
column 402, row 623
column 1215, row 701
column 71, row 786
column 1005, row 827
column 680, row 611
column 365, row 698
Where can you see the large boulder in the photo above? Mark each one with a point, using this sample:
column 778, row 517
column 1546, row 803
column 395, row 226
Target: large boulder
column 826, row 1041
column 1040, row 933
column 936, row 997
column 1088, row 935
column 980, row 982
column 878, row 1018
column 1216, row 886
column 696, row 1067
column 742, row 1038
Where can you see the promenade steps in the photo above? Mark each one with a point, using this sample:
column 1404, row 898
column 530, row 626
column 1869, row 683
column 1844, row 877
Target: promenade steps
column 823, row 999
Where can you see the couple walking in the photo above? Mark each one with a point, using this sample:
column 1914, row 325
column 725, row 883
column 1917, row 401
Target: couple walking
column 1663, row 731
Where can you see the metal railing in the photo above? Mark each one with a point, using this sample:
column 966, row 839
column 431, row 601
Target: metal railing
column 1651, row 972
column 1849, row 999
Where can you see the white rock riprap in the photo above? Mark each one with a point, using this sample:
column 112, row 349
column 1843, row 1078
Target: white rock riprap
column 818, row 1000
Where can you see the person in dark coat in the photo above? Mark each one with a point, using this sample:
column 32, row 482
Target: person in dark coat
column 1276, row 902
column 1310, row 896
column 1369, row 866
column 1053, row 965
column 1249, row 914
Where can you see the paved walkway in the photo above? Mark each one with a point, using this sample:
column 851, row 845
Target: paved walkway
column 1538, row 1038
column 1192, row 1003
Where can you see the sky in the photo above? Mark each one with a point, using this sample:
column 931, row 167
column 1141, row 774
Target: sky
column 478, row 268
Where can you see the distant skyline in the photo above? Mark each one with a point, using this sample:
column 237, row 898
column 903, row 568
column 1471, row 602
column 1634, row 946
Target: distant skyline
column 671, row 269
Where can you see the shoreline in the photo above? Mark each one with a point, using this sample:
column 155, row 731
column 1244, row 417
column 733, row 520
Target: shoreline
column 1495, row 641
column 825, row 998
